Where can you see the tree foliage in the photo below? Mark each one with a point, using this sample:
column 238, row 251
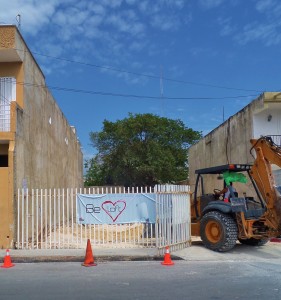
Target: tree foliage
column 143, row 149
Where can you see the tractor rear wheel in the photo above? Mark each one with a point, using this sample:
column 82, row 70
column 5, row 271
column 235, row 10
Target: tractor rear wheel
column 218, row 231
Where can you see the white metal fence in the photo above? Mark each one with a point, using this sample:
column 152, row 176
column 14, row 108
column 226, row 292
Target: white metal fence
column 46, row 219
column 173, row 225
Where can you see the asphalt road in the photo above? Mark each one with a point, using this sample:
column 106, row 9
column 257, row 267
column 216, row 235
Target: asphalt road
column 143, row 280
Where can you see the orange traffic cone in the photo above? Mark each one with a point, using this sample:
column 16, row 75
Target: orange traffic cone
column 89, row 259
column 7, row 260
column 167, row 258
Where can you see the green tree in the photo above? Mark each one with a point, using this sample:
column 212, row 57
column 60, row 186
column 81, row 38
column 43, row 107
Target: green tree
column 143, row 149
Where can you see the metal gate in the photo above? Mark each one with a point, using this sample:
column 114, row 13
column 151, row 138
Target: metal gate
column 173, row 217
column 46, row 219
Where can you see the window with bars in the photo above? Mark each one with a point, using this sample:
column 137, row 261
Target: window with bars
column 7, row 94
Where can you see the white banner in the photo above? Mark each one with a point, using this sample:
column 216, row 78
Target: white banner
column 116, row 208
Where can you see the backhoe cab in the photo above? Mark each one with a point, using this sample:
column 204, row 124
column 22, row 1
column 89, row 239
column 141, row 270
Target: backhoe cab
column 221, row 222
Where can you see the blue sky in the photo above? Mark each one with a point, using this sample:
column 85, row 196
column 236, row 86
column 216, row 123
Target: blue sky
column 217, row 55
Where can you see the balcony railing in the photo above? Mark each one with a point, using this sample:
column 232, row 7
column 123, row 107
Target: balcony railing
column 7, row 94
column 5, row 117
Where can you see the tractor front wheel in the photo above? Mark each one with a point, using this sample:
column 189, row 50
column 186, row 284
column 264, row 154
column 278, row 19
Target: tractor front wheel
column 218, row 231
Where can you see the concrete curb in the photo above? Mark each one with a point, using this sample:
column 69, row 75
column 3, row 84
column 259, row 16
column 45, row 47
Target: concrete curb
column 78, row 255
column 97, row 259
column 241, row 252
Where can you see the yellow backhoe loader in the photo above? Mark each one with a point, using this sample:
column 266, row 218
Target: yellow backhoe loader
column 252, row 220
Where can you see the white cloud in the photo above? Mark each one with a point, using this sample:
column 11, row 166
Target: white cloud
column 34, row 14
column 263, row 5
column 131, row 2
column 124, row 23
column 165, row 22
column 178, row 3
column 206, row 51
column 68, row 18
column 137, row 46
column 226, row 26
column 97, row 9
column 106, row 31
column 112, row 3
column 265, row 29
column 175, row 72
column 266, row 33
column 210, row 3
column 143, row 6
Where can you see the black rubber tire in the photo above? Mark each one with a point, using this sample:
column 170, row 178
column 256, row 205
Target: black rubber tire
column 226, row 226
column 254, row 242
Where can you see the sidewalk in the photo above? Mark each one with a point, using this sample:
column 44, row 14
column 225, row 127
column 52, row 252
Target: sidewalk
column 197, row 252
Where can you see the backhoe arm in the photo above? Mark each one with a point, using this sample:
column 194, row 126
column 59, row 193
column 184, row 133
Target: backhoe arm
column 267, row 153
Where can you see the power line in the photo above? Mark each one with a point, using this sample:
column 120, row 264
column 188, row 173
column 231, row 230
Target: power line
column 101, row 93
column 146, row 75
column 110, row 68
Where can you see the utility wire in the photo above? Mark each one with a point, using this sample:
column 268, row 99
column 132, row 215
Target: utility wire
column 128, row 95
column 109, row 68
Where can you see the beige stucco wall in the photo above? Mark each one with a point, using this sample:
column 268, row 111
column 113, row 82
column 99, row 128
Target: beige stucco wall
column 230, row 142
column 47, row 151
column 43, row 149
column 48, row 154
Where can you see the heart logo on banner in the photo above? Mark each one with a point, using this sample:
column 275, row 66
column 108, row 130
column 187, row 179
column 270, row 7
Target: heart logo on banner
column 114, row 209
